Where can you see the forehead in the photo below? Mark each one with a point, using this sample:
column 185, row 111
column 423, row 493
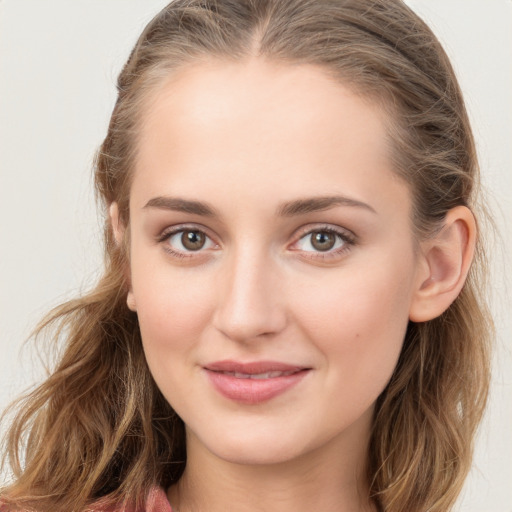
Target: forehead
column 261, row 125
column 259, row 93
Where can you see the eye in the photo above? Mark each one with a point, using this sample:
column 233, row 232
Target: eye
column 324, row 240
column 185, row 241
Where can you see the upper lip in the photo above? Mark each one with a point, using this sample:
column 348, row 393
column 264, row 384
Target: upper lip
column 252, row 368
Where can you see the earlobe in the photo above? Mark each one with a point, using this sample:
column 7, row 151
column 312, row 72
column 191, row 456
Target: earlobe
column 446, row 261
column 130, row 301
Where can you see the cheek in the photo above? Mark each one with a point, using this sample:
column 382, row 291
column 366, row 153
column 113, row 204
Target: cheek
column 359, row 321
column 173, row 310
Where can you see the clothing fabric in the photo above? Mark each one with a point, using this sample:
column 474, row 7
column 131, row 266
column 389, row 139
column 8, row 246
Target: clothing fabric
column 157, row 502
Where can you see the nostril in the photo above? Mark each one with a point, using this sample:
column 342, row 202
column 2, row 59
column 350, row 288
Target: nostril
column 250, row 326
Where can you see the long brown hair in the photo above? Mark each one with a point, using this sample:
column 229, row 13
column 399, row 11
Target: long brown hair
column 98, row 427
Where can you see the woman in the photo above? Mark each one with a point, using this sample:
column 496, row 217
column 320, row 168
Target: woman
column 289, row 316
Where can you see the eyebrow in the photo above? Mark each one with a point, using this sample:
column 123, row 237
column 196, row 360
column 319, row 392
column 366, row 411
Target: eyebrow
column 288, row 209
column 181, row 205
column 317, row 204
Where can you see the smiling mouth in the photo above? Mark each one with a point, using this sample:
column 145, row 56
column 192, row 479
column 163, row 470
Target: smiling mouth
column 253, row 383
column 264, row 375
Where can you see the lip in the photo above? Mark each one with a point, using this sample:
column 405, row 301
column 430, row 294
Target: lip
column 253, row 382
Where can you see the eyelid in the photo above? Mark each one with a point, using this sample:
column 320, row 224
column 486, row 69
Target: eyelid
column 178, row 228
column 344, row 233
column 349, row 238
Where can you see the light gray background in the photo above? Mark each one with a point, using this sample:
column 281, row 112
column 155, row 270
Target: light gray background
column 58, row 63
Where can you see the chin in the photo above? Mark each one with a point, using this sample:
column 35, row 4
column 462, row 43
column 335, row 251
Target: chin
column 264, row 455
column 254, row 448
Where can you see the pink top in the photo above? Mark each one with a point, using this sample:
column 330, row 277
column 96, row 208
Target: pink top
column 157, row 502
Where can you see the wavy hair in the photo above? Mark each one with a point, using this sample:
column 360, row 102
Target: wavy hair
column 99, row 428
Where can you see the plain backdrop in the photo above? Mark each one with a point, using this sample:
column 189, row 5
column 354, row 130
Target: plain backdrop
column 58, row 64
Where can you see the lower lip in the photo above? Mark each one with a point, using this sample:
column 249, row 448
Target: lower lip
column 253, row 391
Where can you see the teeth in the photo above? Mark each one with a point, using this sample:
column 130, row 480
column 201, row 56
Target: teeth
column 265, row 375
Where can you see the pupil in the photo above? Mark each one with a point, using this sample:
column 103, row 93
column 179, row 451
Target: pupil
column 192, row 240
column 323, row 241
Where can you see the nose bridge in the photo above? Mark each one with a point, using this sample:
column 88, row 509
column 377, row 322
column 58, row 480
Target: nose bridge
column 249, row 301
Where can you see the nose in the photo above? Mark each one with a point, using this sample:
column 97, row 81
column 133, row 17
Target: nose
column 250, row 301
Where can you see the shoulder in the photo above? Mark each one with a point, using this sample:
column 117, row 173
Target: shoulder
column 4, row 507
column 157, row 502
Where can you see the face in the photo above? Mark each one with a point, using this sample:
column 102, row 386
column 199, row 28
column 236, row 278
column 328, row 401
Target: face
column 272, row 258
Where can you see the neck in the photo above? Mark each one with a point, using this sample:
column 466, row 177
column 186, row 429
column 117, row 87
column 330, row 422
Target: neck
column 332, row 480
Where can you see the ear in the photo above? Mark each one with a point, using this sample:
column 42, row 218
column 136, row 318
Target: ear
column 446, row 259
column 118, row 229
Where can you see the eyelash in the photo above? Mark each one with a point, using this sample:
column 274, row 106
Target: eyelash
column 347, row 238
column 168, row 233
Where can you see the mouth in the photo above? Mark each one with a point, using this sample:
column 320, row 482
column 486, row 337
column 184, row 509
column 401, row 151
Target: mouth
column 253, row 383
column 264, row 375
